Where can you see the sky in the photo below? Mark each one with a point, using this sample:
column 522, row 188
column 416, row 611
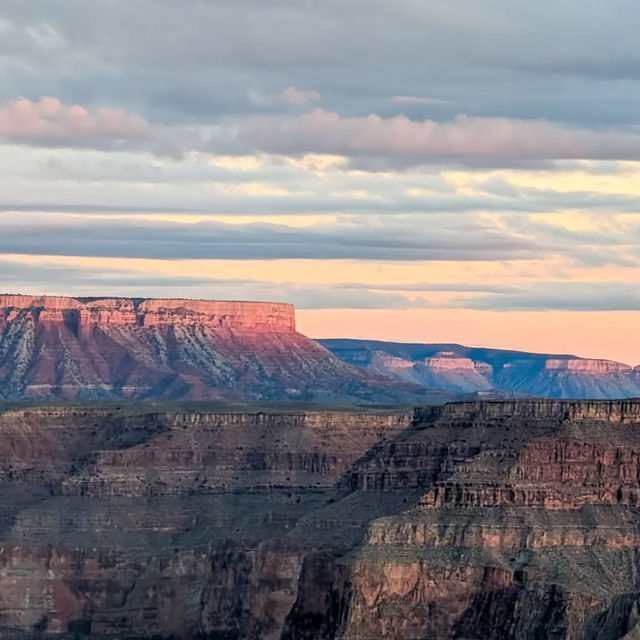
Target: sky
column 414, row 170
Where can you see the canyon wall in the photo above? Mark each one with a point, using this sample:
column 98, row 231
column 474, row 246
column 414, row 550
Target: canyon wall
column 117, row 524
column 85, row 313
column 522, row 523
column 477, row 520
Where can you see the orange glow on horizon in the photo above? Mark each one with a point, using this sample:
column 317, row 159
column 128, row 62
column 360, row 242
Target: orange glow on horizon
column 592, row 334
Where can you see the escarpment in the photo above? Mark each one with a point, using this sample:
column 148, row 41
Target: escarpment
column 115, row 348
column 457, row 368
column 477, row 520
column 522, row 523
column 116, row 523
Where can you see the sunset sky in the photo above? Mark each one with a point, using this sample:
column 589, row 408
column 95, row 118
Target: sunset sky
column 410, row 170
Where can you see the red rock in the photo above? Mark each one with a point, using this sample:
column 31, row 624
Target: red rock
column 477, row 520
column 85, row 348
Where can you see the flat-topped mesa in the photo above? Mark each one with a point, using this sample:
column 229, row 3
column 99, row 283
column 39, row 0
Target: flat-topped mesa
column 615, row 411
column 584, row 365
column 449, row 361
column 384, row 360
column 149, row 312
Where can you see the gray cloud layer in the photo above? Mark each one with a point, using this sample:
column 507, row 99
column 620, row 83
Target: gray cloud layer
column 135, row 239
column 195, row 58
column 541, row 296
column 211, row 74
column 123, row 108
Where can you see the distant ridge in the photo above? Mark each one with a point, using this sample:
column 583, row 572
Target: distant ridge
column 459, row 369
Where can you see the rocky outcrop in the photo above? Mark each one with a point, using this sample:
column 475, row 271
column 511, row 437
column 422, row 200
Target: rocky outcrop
column 477, row 520
column 474, row 370
column 525, row 526
column 87, row 312
column 584, row 365
column 91, row 348
column 116, row 523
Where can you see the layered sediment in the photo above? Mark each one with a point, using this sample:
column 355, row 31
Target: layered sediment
column 525, row 526
column 112, row 348
column 116, row 524
column 476, row 370
column 85, row 313
column 478, row 520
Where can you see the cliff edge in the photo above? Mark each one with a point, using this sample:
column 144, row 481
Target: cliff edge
column 111, row 348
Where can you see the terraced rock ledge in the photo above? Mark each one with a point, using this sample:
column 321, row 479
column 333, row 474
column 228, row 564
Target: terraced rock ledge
column 479, row 520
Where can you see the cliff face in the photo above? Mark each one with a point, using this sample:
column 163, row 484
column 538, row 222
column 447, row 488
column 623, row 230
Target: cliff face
column 471, row 370
column 526, row 526
column 477, row 520
column 90, row 313
column 117, row 525
column 68, row 348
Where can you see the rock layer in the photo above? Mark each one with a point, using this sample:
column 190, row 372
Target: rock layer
column 462, row 369
column 478, row 520
column 120, row 525
column 86, row 348
column 526, row 527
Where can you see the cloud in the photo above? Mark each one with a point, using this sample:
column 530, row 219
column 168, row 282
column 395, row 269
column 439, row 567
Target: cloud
column 321, row 131
column 52, row 278
column 290, row 95
column 131, row 238
column 417, row 100
column 561, row 296
column 221, row 121
column 299, row 96
column 486, row 59
column 55, row 279
column 48, row 122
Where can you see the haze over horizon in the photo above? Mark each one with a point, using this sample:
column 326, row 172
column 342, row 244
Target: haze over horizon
column 304, row 152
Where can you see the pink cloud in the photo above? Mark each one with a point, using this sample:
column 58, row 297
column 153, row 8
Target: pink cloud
column 299, row 96
column 327, row 132
column 49, row 122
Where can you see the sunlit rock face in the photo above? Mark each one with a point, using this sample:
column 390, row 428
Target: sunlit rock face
column 484, row 520
column 462, row 369
column 84, row 348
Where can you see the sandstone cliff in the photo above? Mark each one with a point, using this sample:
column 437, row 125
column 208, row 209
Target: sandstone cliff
column 526, row 527
column 90, row 348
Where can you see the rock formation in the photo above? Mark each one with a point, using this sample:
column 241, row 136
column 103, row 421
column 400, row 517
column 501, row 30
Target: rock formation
column 117, row 524
column 461, row 369
column 478, row 520
column 89, row 348
column 526, row 526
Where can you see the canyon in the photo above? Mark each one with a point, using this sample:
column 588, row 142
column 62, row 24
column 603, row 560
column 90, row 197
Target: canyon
column 471, row 370
column 479, row 520
column 121, row 348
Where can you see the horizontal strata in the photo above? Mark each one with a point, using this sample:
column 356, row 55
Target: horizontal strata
column 460, row 369
column 258, row 316
column 488, row 520
column 568, row 410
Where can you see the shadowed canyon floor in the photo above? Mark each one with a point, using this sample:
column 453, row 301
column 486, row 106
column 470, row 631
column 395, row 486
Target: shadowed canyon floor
column 479, row 520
